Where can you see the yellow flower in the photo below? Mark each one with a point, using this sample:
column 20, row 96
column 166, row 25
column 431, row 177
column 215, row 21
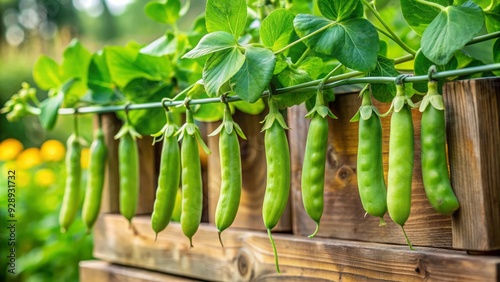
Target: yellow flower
column 23, row 178
column 9, row 149
column 45, row 177
column 29, row 158
column 84, row 158
column 52, row 150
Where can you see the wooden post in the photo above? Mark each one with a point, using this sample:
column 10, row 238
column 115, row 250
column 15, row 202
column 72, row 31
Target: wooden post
column 110, row 125
column 473, row 128
column 253, row 164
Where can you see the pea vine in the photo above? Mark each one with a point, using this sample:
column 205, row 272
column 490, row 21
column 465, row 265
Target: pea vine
column 241, row 49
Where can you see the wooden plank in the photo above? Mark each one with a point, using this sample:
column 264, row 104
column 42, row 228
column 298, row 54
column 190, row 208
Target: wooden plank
column 110, row 125
column 253, row 165
column 248, row 256
column 473, row 132
column 100, row 271
column 148, row 175
column 343, row 215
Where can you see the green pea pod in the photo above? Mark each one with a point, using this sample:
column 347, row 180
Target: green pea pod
column 169, row 177
column 370, row 169
column 192, row 185
column 433, row 153
column 278, row 171
column 128, row 169
column 313, row 168
column 230, row 162
column 400, row 159
column 71, row 197
column 95, row 181
column 401, row 153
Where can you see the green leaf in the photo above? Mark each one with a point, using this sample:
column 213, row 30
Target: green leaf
column 209, row 112
column 165, row 45
column 353, row 42
column 76, row 60
column 313, row 66
column 361, row 45
column 421, row 67
column 211, row 43
column 255, row 74
column 50, row 106
column 126, row 64
column 220, row 67
column 226, row 15
column 99, row 80
column 276, row 29
column 75, row 64
column 338, row 10
column 163, row 11
column 290, row 77
column 492, row 20
column 496, row 54
column 250, row 108
column 46, row 73
column 418, row 15
column 450, row 31
column 384, row 92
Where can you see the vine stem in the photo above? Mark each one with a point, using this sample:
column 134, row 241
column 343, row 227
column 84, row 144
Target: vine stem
column 302, row 57
column 391, row 32
column 305, row 37
column 431, row 4
column 343, row 79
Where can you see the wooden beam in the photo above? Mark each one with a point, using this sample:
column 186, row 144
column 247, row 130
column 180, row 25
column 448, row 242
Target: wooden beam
column 247, row 255
column 343, row 216
column 473, row 122
column 100, row 271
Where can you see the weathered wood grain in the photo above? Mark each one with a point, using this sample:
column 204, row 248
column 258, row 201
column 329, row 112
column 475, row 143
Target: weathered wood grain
column 100, row 271
column 343, row 215
column 253, row 166
column 473, row 123
column 248, row 256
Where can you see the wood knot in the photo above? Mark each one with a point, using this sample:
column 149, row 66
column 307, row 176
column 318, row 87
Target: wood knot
column 343, row 177
column 248, row 152
column 243, row 265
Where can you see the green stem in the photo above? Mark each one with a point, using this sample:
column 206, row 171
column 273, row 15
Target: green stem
column 302, row 57
column 75, row 124
column 385, row 33
column 484, row 37
column 431, row 4
column 391, row 32
column 305, row 37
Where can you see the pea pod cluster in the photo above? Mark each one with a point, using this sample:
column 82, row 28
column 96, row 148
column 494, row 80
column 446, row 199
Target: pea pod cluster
column 278, row 171
column 128, row 169
column 433, row 153
column 169, row 176
column 95, row 180
column 370, row 169
column 230, row 162
column 313, row 168
column 192, row 185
